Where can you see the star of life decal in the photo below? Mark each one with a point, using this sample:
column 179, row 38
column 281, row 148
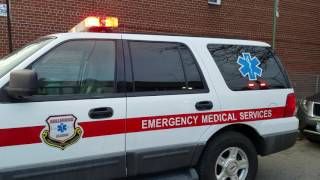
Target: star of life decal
column 249, row 66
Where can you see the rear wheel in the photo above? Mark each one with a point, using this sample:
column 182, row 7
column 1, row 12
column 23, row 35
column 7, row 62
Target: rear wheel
column 229, row 156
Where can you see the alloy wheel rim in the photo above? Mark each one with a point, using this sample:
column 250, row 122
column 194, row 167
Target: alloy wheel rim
column 232, row 164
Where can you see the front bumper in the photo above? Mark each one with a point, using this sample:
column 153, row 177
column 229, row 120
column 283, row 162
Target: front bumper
column 312, row 135
column 307, row 125
column 306, row 120
column 277, row 142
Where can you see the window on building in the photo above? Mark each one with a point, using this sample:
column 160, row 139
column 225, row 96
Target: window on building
column 226, row 57
column 77, row 67
column 215, row 2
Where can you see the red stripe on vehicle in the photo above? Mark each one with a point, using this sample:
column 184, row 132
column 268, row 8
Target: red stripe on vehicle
column 202, row 119
column 18, row 136
column 103, row 128
column 31, row 135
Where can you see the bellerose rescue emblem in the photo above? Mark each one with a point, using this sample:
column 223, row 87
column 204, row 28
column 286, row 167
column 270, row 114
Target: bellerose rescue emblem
column 61, row 131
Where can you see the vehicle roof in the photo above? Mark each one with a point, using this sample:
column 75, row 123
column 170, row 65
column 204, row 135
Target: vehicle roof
column 156, row 37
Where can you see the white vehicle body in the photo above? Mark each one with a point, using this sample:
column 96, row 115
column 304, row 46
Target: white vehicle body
column 146, row 133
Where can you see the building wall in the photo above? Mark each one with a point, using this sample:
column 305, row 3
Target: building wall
column 298, row 37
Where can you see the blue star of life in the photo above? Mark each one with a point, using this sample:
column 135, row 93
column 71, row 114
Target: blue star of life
column 249, row 66
column 62, row 127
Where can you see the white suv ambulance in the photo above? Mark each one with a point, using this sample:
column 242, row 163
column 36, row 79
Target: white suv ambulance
column 90, row 105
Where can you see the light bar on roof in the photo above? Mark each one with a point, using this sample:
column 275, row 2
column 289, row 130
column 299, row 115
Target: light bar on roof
column 96, row 24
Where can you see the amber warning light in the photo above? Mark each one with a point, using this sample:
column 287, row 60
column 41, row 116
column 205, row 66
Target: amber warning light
column 96, row 24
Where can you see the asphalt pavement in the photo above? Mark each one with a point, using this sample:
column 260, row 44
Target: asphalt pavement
column 301, row 162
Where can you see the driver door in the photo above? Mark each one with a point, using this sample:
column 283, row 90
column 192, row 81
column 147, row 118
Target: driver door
column 75, row 124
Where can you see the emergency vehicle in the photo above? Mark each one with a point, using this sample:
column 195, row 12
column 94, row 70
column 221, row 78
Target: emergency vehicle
column 92, row 104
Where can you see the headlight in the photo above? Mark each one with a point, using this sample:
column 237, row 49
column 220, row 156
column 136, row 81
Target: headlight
column 307, row 107
column 304, row 104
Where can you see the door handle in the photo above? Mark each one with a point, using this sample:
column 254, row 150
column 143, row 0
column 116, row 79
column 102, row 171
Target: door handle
column 98, row 113
column 204, row 105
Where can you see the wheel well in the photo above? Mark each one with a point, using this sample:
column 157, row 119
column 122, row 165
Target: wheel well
column 246, row 130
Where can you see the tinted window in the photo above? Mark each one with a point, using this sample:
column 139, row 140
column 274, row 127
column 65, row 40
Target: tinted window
column 159, row 67
column 77, row 67
column 226, row 57
column 192, row 72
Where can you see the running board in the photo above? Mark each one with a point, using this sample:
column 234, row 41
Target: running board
column 189, row 174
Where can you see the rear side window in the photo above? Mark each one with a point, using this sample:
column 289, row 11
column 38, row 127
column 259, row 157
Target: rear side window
column 249, row 67
column 160, row 66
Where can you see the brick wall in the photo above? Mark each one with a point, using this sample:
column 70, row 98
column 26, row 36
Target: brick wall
column 297, row 37
column 299, row 43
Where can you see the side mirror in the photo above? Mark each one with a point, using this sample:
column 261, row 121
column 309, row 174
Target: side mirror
column 23, row 83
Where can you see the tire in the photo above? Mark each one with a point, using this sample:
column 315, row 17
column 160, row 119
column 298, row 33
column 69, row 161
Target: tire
column 223, row 146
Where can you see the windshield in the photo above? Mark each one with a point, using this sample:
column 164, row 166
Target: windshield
column 10, row 61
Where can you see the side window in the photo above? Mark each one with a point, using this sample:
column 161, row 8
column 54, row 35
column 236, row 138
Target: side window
column 159, row 66
column 77, row 67
column 272, row 74
column 192, row 72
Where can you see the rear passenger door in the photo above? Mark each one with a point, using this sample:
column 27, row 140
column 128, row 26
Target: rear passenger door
column 166, row 87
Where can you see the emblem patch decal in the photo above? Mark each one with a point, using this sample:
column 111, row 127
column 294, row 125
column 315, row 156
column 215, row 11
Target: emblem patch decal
column 249, row 66
column 61, row 131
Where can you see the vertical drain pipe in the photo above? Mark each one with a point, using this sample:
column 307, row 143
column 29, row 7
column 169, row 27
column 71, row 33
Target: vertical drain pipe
column 9, row 26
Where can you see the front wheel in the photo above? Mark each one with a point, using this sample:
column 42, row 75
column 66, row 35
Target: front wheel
column 229, row 156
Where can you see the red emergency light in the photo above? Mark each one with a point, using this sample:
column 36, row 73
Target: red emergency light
column 263, row 85
column 96, row 24
column 260, row 84
column 252, row 85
